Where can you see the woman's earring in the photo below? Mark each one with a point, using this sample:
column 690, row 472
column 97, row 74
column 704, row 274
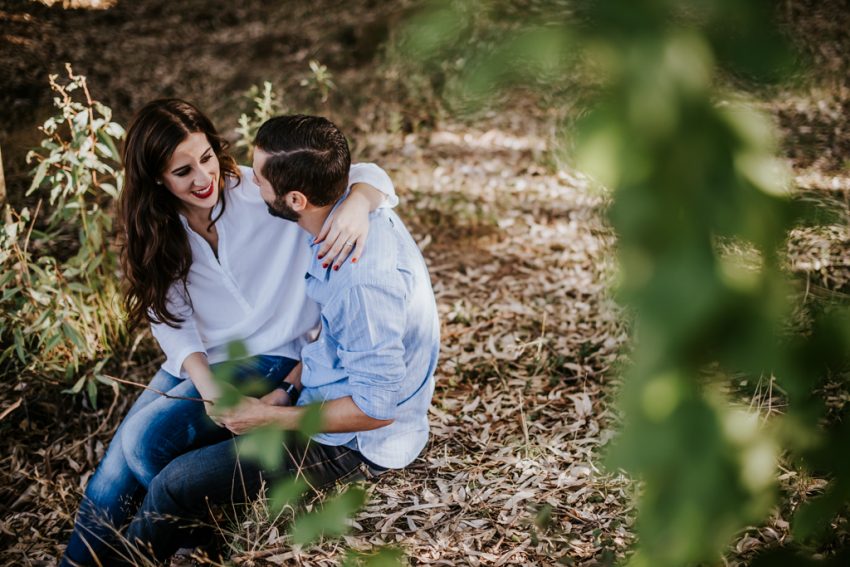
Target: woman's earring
column 158, row 182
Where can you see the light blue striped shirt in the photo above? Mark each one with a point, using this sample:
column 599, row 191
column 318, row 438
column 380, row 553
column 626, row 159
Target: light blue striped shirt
column 378, row 344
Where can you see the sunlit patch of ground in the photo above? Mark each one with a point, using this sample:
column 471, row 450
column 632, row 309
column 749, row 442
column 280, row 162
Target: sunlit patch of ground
column 80, row 4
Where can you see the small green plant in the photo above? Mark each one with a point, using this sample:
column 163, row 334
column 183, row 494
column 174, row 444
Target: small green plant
column 320, row 80
column 58, row 271
column 266, row 104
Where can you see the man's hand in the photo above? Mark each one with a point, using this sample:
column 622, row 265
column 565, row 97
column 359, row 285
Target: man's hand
column 251, row 413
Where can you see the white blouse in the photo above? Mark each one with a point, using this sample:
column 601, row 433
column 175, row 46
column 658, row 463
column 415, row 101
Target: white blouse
column 255, row 290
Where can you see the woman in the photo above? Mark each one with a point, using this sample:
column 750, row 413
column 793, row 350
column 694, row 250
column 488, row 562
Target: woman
column 204, row 263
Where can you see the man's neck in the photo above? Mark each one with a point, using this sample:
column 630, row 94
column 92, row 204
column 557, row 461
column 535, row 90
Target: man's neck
column 313, row 220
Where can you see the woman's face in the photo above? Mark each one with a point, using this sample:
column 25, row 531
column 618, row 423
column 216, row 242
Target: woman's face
column 192, row 174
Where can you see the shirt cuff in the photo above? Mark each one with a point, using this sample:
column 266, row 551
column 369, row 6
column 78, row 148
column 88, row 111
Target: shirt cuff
column 377, row 404
column 373, row 175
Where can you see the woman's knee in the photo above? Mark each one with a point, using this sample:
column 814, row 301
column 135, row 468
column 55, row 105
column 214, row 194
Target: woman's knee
column 139, row 448
column 162, row 381
column 113, row 479
column 164, row 430
column 153, row 437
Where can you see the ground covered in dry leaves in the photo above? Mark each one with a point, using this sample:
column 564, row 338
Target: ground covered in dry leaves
column 522, row 264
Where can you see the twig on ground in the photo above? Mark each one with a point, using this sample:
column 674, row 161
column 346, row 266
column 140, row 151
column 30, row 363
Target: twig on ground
column 10, row 409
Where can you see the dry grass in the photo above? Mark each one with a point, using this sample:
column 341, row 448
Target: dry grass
column 521, row 261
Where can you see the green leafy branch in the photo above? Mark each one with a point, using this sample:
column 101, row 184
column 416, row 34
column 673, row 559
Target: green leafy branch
column 58, row 275
column 689, row 164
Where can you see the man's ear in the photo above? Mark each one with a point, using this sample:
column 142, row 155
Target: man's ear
column 297, row 201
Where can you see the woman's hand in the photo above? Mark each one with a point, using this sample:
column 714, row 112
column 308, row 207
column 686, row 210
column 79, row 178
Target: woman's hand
column 344, row 234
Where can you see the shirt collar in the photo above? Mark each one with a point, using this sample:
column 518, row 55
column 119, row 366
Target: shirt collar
column 315, row 268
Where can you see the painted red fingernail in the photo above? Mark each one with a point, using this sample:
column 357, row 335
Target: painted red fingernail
column 324, row 265
column 354, row 260
column 336, row 268
column 321, row 256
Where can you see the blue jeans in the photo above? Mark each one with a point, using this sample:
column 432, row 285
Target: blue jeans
column 155, row 431
column 175, row 508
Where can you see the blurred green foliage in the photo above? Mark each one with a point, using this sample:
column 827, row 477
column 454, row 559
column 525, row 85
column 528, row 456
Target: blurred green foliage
column 690, row 163
column 331, row 519
column 58, row 268
column 384, row 557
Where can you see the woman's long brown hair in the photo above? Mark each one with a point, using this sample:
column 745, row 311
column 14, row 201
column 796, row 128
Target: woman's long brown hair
column 155, row 250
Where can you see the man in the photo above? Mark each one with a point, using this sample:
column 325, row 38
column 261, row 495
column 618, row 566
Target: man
column 371, row 368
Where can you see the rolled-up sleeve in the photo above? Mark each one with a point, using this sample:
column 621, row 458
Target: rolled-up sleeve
column 177, row 344
column 373, row 175
column 367, row 322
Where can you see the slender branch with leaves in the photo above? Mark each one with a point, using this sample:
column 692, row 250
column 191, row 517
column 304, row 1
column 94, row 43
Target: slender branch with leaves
column 690, row 163
column 58, row 268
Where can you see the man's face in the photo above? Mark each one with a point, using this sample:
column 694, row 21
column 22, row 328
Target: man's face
column 277, row 205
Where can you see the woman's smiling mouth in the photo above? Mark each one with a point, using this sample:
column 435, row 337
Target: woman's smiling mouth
column 205, row 192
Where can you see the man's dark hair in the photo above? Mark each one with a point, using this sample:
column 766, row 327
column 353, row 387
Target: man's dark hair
column 306, row 153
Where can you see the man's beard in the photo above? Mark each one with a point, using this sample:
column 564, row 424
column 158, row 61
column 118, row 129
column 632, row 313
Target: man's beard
column 283, row 211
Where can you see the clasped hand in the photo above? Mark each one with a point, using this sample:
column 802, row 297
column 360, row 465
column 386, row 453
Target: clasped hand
column 251, row 413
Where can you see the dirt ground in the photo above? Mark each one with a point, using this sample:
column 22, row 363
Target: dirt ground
column 518, row 250
column 207, row 52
